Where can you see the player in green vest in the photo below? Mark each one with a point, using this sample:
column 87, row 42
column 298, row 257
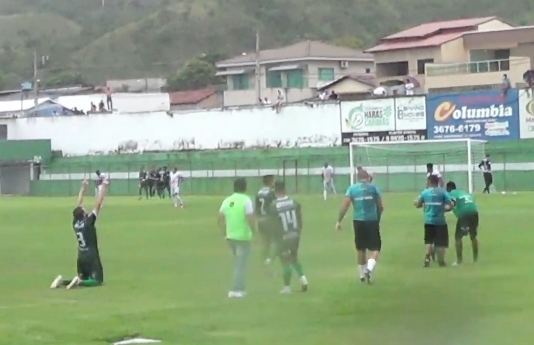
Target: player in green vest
column 237, row 222
column 466, row 211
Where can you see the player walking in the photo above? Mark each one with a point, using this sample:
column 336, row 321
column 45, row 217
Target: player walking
column 328, row 180
column 368, row 208
column 436, row 201
column 90, row 271
column 264, row 198
column 143, row 184
column 285, row 217
column 485, row 166
column 432, row 171
column 466, row 211
column 176, row 179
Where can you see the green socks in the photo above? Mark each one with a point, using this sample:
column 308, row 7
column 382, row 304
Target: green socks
column 298, row 268
column 287, row 275
column 90, row 283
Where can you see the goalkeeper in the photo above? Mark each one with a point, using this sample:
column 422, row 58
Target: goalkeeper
column 466, row 211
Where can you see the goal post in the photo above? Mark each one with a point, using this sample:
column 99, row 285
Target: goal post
column 401, row 166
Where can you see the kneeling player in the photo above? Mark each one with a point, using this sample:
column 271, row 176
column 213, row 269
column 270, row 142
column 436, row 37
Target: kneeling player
column 436, row 201
column 466, row 211
column 285, row 218
column 90, row 271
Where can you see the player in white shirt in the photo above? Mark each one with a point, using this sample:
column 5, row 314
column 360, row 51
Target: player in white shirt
column 100, row 178
column 175, row 182
column 328, row 180
column 430, row 170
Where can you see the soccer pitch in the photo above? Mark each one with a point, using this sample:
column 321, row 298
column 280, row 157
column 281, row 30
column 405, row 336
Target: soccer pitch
column 168, row 272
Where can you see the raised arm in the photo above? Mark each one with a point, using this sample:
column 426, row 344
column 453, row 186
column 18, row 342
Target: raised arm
column 81, row 194
column 101, row 196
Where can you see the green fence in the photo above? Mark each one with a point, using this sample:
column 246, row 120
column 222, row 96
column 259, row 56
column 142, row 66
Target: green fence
column 212, row 172
column 25, row 150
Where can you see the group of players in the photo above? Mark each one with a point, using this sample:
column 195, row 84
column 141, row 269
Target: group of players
column 280, row 222
column 160, row 182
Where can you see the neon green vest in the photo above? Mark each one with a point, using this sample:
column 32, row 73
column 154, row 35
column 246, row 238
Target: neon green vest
column 237, row 227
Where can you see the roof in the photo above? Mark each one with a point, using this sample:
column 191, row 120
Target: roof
column 190, row 97
column 522, row 34
column 367, row 79
column 432, row 41
column 429, row 34
column 301, row 50
column 434, row 27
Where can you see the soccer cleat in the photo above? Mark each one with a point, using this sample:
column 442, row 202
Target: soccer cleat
column 442, row 264
column 57, row 282
column 368, row 277
column 236, row 294
column 286, row 290
column 74, row 283
column 304, row 287
column 427, row 263
column 457, row 263
column 303, row 284
column 362, row 279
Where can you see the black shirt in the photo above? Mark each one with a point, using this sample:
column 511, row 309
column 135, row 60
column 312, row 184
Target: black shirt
column 485, row 165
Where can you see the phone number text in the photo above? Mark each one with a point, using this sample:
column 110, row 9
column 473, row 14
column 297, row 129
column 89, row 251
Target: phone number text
column 467, row 128
column 402, row 137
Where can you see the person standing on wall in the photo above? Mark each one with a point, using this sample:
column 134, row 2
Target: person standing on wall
column 237, row 222
column 485, row 166
column 109, row 100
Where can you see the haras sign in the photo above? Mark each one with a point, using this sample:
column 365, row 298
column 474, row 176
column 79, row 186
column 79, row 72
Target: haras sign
column 526, row 115
column 479, row 115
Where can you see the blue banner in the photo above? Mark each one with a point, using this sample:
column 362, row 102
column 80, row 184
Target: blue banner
column 485, row 115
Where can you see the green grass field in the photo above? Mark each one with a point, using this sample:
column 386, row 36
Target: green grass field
column 168, row 272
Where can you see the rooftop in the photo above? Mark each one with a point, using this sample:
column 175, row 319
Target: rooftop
column 190, row 97
column 301, row 50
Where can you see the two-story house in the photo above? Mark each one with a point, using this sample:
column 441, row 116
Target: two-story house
column 456, row 55
column 296, row 70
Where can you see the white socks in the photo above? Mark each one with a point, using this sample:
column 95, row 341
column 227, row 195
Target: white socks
column 303, row 280
column 371, row 263
column 324, row 194
column 178, row 199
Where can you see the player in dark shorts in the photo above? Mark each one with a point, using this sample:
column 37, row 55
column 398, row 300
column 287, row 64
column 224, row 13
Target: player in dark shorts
column 166, row 182
column 152, row 181
column 466, row 211
column 143, row 183
column 367, row 206
column 264, row 198
column 285, row 219
column 89, row 266
column 435, row 201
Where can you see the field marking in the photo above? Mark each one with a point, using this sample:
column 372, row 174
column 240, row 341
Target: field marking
column 40, row 304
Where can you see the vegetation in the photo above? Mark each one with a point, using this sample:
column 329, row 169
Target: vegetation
column 154, row 38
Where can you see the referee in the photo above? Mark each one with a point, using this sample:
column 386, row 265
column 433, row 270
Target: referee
column 485, row 166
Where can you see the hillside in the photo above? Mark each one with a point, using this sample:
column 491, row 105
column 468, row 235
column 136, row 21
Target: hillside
column 152, row 38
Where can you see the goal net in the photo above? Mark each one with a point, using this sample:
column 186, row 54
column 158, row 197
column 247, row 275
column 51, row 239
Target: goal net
column 401, row 166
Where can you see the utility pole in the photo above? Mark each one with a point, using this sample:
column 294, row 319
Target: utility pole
column 103, row 3
column 35, row 79
column 258, row 68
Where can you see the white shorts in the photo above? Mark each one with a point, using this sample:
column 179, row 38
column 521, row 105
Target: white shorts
column 328, row 184
column 175, row 190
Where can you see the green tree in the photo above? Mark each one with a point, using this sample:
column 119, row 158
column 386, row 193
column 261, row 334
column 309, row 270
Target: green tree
column 349, row 42
column 195, row 74
column 64, row 79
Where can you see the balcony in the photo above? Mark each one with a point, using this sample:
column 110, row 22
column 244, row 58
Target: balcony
column 474, row 74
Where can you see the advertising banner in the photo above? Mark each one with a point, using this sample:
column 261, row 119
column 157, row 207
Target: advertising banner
column 485, row 115
column 383, row 119
column 526, row 115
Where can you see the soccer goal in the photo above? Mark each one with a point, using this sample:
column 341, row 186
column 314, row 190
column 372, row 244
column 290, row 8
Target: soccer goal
column 401, row 166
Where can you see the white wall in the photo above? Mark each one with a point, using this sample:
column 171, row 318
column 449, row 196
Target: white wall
column 261, row 127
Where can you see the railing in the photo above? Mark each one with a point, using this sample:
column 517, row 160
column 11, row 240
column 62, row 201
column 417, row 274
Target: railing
column 488, row 66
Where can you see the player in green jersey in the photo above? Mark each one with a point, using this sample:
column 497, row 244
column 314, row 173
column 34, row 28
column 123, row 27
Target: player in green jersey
column 264, row 198
column 466, row 211
column 90, row 271
column 285, row 219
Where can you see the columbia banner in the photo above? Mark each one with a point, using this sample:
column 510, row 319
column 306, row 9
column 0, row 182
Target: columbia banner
column 383, row 119
column 526, row 115
column 486, row 115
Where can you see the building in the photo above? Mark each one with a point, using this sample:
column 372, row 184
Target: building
column 463, row 54
column 351, row 87
column 197, row 99
column 137, row 85
column 297, row 70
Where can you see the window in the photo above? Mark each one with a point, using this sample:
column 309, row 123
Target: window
column 240, row 82
column 274, row 79
column 295, row 79
column 326, row 74
column 367, row 70
column 421, row 65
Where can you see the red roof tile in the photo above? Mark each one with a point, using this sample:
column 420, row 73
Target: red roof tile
column 432, row 41
column 189, row 97
column 434, row 27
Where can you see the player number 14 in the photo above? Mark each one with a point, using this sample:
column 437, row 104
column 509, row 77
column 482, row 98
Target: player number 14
column 289, row 220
